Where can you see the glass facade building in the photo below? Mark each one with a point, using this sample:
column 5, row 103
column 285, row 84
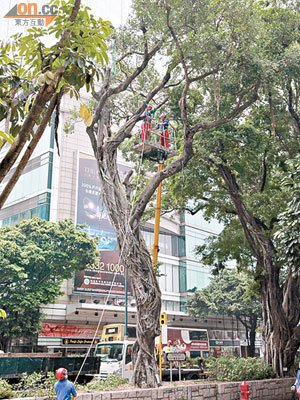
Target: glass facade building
column 31, row 196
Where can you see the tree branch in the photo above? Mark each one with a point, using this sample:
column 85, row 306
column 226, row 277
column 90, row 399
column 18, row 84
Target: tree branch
column 272, row 113
column 238, row 110
column 176, row 166
column 124, row 85
column 43, row 96
column 264, row 177
column 32, row 145
column 126, row 129
column 182, row 103
column 291, row 109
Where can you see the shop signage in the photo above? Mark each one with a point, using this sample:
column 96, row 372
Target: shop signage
column 80, row 341
column 224, row 343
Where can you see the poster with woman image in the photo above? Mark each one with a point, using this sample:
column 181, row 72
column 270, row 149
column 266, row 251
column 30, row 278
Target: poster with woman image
column 109, row 271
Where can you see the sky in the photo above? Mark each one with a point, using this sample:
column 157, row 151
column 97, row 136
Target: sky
column 115, row 11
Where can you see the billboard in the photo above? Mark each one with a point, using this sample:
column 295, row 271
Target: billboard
column 108, row 274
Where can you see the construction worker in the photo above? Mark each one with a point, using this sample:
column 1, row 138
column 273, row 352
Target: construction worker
column 146, row 125
column 164, row 133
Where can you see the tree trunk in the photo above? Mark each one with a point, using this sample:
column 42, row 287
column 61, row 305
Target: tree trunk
column 135, row 256
column 251, row 347
column 148, row 300
column 280, row 304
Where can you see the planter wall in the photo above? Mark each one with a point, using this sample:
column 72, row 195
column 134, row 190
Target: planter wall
column 270, row 389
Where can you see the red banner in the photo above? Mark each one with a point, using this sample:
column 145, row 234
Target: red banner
column 76, row 331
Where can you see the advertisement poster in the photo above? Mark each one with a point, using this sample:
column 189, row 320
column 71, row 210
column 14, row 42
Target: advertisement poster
column 184, row 340
column 109, row 273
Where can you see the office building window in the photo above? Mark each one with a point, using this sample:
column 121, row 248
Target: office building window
column 169, row 278
column 170, row 305
column 168, row 243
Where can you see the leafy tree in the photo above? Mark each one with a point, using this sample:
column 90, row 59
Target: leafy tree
column 212, row 66
column 229, row 293
column 35, row 76
column 2, row 313
column 35, row 257
column 203, row 44
column 240, row 169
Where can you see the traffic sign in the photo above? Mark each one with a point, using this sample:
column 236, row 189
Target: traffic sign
column 176, row 356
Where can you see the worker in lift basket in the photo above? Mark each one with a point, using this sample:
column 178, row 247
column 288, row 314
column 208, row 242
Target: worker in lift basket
column 63, row 387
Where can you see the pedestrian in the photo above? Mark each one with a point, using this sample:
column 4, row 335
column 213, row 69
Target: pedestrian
column 200, row 365
column 164, row 133
column 296, row 386
column 63, row 387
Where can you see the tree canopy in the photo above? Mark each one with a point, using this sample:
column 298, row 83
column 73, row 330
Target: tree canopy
column 35, row 257
column 241, row 170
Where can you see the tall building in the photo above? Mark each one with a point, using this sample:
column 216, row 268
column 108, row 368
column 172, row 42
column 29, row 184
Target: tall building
column 55, row 188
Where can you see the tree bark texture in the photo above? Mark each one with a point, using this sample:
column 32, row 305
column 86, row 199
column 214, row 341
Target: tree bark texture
column 252, row 334
column 135, row 256
column 280, row 303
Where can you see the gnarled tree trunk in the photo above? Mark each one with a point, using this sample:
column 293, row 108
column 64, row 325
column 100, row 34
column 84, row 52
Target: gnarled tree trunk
column 281, row 306
column 136, row 258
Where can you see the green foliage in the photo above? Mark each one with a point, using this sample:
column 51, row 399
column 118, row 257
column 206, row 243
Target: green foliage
column 39, row 385
column 229, row 293
column 191, row 362
column 27, row 62
column 238, row 369
column 36, row 385
column 35, row 257
column 287, row 234
column 6, row 391
column 112, row 381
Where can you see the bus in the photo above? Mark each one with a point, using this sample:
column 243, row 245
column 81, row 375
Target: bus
column 192, row 341
column 116, row 332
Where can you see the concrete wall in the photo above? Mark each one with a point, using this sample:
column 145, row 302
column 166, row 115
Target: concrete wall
column 273, row 389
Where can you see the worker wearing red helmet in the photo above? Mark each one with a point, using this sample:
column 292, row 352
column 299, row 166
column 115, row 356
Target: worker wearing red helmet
column 164, row 133
column 146, row 125
column 63, row 387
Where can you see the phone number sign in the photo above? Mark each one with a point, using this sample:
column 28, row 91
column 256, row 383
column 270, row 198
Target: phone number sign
column 107, row 274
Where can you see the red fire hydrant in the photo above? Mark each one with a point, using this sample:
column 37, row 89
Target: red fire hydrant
column 245, row 391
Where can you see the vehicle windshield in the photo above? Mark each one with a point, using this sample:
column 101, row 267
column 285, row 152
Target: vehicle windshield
column 109, row 351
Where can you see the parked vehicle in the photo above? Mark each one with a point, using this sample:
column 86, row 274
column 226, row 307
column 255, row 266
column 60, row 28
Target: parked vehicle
column 192, row 341
column 116, row 359
column 115, row 332
column 13, row 365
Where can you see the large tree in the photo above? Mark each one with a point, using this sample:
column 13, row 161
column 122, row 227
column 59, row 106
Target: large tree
column 246, row 162
column 230, row 293
column 35, row 257
column 202, row 44
column 211, row 65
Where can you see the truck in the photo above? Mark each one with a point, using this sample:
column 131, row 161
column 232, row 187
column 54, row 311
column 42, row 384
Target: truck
column 14, row 365
column 116, row 359
column 194, row 342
